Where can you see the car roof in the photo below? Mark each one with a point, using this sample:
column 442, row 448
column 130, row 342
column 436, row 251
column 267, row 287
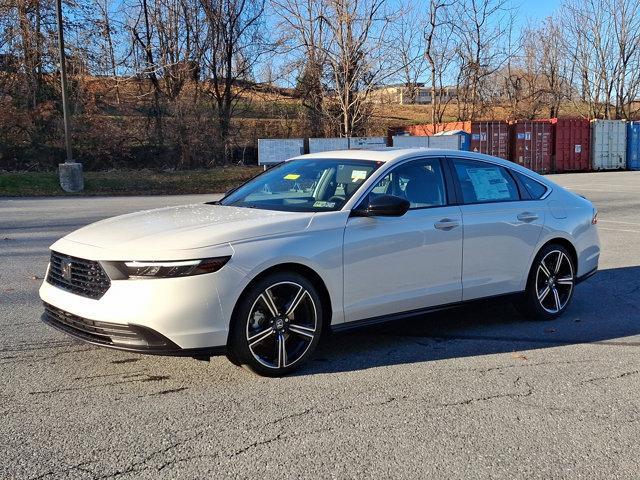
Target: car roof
column 395, row 154
column 392, row 154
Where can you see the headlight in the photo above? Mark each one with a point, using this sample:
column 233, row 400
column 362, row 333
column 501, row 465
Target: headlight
column 182, row 268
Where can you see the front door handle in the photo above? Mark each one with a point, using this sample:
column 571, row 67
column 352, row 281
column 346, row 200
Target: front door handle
column 446, row 224
column 527, row 217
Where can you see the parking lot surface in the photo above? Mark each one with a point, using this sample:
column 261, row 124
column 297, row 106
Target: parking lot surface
column 471, row 393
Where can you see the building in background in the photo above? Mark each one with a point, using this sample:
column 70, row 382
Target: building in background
column 402, row 94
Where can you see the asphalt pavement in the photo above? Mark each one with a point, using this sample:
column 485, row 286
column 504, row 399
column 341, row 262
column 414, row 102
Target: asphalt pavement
column 471, row 393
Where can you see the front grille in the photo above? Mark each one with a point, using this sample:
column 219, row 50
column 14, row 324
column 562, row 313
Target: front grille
column 87, row 278
column 90, row 330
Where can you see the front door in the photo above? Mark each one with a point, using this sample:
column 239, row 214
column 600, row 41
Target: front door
column 399, row 264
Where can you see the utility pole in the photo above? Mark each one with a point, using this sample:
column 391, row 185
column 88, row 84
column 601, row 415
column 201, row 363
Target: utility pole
column 71, row 179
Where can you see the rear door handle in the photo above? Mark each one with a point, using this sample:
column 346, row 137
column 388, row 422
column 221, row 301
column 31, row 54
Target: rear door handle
column 446, row 224
column 527, row 217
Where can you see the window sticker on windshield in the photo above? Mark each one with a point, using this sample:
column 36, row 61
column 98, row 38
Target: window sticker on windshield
column 358, row 175
column 489, row 184
column 292, row 176
column 321, row 204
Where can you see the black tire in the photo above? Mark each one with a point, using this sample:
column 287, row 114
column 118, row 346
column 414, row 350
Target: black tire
column 297, row 331
column 550, row 284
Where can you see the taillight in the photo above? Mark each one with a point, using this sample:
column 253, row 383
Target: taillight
column 594, row 219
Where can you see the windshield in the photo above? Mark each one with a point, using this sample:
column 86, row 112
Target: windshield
column 304, row 185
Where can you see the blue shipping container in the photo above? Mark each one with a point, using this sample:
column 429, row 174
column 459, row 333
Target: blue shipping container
column 633, row 145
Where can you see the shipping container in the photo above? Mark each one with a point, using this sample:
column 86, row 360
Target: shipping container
column 429, row 129
column 532, row 144
column 328, row 144
column 445, row 142
column 571, row 145
column 608, row 144
column 633, row 145
column 464, row 138
column 394, row 132
column 276, row 150
column 492, row 138
column 410, row 141
column 367, row 143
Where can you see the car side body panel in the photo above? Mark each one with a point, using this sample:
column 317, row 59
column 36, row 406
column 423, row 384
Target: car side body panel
column 319, row 247
column 498, row 246
column 394, row 264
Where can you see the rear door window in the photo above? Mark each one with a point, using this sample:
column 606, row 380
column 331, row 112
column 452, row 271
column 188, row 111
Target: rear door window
column 482, row 182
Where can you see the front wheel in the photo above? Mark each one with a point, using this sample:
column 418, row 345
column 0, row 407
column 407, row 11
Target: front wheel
column 276, row 325
column 550, row 284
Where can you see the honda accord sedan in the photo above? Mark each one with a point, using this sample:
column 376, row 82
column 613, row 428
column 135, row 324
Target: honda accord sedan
column 322, row 242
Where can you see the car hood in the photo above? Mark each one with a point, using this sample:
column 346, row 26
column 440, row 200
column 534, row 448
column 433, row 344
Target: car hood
column 186, row 227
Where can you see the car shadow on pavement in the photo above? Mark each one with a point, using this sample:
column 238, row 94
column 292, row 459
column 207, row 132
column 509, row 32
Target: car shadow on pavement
column 605, row 309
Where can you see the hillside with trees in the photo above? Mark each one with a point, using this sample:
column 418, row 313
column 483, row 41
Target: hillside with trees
column 181, row 84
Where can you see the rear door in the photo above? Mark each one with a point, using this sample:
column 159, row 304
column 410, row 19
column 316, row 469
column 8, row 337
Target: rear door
column 398, row 264
column 502, row 226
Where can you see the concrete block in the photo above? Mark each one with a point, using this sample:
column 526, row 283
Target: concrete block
column 71, row 179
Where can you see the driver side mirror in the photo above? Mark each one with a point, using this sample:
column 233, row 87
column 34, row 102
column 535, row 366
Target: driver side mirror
column 382, row 206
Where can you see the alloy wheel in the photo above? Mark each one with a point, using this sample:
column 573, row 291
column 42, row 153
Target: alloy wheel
column 282, row 325
column 554, row 281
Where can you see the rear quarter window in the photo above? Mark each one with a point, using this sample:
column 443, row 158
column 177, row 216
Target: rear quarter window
column 535, row 189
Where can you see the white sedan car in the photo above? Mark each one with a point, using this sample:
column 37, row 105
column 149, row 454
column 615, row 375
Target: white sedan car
column 324, row 241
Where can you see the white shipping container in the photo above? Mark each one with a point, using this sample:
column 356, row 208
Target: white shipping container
column 368, row 143
column 446, row 142
column 608, row 144
column 328, row 144
column 276, row 150
column 405, row 141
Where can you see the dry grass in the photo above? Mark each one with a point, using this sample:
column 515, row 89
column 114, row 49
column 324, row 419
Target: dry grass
column 138, row 182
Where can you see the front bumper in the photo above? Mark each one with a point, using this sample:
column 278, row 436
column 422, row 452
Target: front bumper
column 132, row 338
column 185, row 311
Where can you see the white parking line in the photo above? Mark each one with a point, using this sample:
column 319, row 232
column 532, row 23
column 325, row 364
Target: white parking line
column 588, row 190
column 584, row 185
column 618, row 230
column 618, row 221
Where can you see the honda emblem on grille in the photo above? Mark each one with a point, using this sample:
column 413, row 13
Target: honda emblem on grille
column 65, row 264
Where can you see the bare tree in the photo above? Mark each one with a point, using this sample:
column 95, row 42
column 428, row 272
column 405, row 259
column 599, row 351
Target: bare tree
column 482, row 32
column 144, row 38
column 356, row 55
column 553, row 64
column 625, row 15
column 305, row 33
column 232, row 47
column 438, row 52
column 105, row 26
column 407, row 34
column 602, row 38
column 30, row 17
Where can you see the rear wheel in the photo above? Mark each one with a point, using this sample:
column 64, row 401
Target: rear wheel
column 550, row 284
column 277, row 324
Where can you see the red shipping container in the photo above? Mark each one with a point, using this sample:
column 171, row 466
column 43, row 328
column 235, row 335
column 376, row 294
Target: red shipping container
column 572, row 145
column 533, row 144
column 492, row 138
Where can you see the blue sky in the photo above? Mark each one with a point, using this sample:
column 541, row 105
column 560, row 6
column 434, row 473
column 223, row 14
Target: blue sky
column 535, row 9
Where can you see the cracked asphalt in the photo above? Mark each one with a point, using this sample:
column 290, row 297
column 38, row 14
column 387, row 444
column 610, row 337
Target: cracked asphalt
column 473, row 393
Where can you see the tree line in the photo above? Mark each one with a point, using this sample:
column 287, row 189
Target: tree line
column 173, row 82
